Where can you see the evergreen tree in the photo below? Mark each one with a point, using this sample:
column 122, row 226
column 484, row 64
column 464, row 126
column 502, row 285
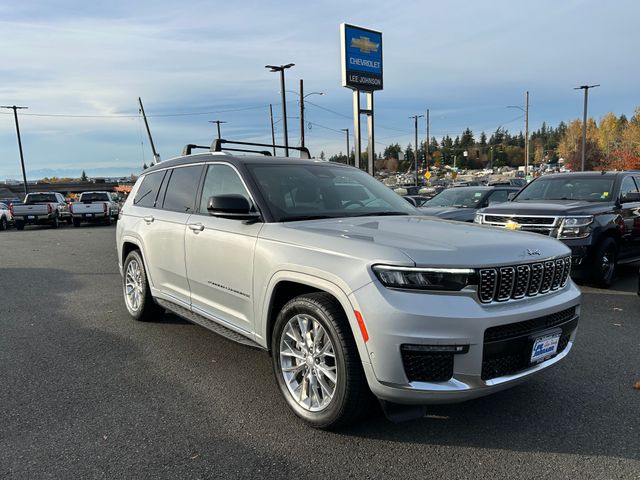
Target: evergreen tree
column 83, row 177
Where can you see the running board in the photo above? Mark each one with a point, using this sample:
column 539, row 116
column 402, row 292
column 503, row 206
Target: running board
column 208, row 324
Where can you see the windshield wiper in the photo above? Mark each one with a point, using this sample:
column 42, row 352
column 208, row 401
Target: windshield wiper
column 378, row 214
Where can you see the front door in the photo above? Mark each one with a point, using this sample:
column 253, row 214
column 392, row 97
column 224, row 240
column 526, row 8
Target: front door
column 219, row 255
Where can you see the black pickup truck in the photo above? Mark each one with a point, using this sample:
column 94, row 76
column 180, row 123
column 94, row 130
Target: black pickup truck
column 596, row 214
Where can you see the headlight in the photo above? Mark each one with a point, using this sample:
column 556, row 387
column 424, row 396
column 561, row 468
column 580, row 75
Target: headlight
column 575, row 227
column 479, row 218
column 413, row 278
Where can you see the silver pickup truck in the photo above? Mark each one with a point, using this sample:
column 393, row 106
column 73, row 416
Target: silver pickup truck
column 95, row 207
column 41, row 208
column 353, row 293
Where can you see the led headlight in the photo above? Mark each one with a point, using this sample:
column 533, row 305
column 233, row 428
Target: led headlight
column 479, row 218
column 575, row 227
column 414, row 278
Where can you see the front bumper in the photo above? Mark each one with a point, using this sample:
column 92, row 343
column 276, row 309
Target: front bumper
column 395, row 318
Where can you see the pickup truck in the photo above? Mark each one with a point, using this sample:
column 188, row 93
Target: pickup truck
column 95, row 207
column 41, row 208
column 596, row 214
column 6, row 218
column 351, row 290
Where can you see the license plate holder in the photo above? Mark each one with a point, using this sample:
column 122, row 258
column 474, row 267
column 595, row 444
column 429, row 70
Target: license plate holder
column 31, row 217
column 544, row 346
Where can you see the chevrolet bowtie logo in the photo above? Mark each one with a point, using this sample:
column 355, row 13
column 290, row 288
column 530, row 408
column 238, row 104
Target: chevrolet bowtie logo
column 364, row 44
column 511, row 225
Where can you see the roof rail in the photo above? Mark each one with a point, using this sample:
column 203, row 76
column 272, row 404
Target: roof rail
column 216, row 146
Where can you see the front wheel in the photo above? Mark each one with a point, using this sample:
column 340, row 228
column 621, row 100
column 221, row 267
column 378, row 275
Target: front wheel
column 604, row 263
column 55, row 223
column 19, row 225
column 69, row 220
column 76, row 222
column 316, row 362
column 4, row 225
column 135, row 287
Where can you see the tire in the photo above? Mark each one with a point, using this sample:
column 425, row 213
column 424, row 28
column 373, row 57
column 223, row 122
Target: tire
column 107, row 220
column 69, row 220
column 604, row 263
column 143, row 309
column 19, row 225
column 4, row 225
column 341, row 405
column 55, row 223
column 76, row 222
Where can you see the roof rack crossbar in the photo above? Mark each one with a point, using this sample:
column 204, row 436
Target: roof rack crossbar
column 216, row 146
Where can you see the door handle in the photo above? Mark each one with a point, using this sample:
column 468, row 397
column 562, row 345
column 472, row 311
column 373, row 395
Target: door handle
column 196, row 227
column 149, row 219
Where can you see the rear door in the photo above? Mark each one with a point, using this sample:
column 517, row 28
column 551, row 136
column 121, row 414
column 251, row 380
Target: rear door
column 630, row 212
column 219, row 255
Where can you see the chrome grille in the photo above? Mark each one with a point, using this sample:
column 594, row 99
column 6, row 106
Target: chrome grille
column 513, row 282
column 545, row 225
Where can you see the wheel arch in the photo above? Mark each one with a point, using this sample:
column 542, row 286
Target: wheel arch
column 128, row 245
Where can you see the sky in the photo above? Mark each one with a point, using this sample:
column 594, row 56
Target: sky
column 81, row 66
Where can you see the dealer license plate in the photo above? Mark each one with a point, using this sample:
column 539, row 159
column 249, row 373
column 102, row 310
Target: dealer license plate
column 89, row 214
column 544, row 347
column 31, row 217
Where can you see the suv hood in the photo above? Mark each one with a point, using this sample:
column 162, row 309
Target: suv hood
column 426, row 241
column 552, row 207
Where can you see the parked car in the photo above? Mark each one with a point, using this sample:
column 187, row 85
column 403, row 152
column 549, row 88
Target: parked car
column 462, row 203
column 95, row 207
column 6, row 219
column 348, row 288
column 597, row 214
column 512, row 182
column 41, row 208
column 416, row 200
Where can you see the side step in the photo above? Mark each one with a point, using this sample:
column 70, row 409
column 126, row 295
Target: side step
column 208, row 324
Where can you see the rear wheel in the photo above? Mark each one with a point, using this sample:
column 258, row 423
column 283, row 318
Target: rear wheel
column 19, row 225
column 69, row 220
column 135, row 287
column 55, row 223
column 316, row 362
column 76, row 222
column 4, row 225
column 107, row 220
column 604, row 263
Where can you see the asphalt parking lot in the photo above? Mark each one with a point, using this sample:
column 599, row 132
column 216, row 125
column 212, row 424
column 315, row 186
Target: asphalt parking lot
column 85, row 392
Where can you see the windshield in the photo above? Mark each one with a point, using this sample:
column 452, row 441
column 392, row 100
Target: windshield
column 457, row 197
column 588, row 189
column 94, row 197
column 302, row 192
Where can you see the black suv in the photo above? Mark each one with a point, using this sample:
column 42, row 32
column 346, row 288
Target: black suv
column 597, row 214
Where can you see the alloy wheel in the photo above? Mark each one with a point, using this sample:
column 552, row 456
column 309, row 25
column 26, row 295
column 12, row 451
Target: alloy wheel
column 133, row 285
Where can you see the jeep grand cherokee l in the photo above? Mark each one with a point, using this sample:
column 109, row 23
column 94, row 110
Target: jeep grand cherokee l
column 344, row 283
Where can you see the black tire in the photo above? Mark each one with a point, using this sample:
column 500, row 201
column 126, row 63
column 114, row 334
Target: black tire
column 55, row 223
column 147, row 309
column 604, row 263
column 69, row 220
column 19, row 225
column 76, row 222
column 352, row 397
column 4, row 225
column 107, row 220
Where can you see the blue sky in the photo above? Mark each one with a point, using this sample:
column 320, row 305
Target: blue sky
column 465, row 61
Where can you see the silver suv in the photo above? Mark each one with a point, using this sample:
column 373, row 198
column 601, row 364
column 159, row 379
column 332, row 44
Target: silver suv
column 344, row 283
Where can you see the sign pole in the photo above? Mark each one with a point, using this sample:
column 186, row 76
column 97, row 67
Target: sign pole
column 356, row 129
column 370, row 149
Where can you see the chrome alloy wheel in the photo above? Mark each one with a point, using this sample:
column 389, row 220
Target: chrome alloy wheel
column 308, row 362
column 133, row 285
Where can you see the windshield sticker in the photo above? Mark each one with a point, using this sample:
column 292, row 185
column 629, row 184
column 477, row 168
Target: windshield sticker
column 604, row 195
column 477, row 194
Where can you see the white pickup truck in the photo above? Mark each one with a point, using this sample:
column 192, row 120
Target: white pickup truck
column 95, row 207
column 41, row 208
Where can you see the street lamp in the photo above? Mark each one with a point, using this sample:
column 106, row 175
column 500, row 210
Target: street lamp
column 281, row 69
column 526, row 134
column 584, row 119
column 302, row 97
column 346, row 130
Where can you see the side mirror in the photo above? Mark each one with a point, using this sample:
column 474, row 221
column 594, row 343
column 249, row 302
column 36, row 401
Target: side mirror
column 630, row 197
column 511, row 196
column 231, row 206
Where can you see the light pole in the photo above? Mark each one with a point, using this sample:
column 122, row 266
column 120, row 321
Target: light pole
column 281, row 69
column 217, row 122
column 15, row 116
column 415, row 155
column 526, row 133
column 584, row 120
column 346, row 130
column 302, row 97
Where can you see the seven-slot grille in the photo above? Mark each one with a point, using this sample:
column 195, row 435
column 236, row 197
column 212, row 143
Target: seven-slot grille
column 504, row 283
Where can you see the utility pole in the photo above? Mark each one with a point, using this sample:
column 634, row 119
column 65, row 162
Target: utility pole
column 301, row 113
column 584, row 120
column 526, row 138
column 281, row 69
column 273, row 133
column 146, row 124
column 218, row 122
column 346, row 130
column 415, row 154
column 426, row 155
column 15, row 116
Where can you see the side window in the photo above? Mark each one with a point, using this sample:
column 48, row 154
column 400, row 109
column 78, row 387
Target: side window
column 628, row 185
column 182, row 188
column 221, row 180
column 148, row 191
column 499, row 196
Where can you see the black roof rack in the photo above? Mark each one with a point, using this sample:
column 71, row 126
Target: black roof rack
column 217, row 146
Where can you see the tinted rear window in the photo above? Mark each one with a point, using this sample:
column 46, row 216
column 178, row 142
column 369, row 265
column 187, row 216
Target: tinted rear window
column 148, row 191
column 41, row 197
column 94, row 197
column 182, row 188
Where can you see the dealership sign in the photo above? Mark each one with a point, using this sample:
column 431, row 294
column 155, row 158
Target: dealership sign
column 361, row 50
